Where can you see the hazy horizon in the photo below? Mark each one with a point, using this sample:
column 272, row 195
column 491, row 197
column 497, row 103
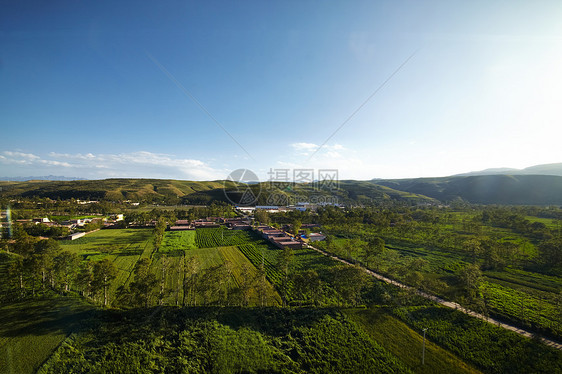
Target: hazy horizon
column 193, row 90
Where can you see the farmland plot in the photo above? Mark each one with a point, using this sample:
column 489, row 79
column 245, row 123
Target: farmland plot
column 123, row 247
column 175, row 241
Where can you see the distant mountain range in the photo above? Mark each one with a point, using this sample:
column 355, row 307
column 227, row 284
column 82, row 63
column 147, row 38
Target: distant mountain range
column 42, row 178
column 546, row 169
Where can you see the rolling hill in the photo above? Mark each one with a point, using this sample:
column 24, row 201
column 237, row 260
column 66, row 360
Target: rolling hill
column 486, row 189
column 477, row 189
column 193, row 192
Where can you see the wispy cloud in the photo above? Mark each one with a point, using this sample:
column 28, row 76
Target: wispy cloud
column 335, row 156
column 133, row 164
column 306, row 149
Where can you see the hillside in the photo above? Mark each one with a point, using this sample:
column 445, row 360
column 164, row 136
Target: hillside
column 149, row 190
column 193, row 192
column 486, row 189
column 480, row 189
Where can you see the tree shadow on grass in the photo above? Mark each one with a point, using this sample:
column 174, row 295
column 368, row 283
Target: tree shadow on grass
column 43, row 316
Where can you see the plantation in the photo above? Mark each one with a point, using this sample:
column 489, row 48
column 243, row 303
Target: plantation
column 175, row 241
column 224, row 341
column 405, row 343
column 218, row 237
column 430, row 249
column 488, row 347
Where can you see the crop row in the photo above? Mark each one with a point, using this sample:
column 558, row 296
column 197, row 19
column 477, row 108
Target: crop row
column 536, row 310
column 257, row 258
column 207, row 238
column 491, row 348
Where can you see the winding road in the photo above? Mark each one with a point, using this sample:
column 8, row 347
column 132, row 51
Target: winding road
column 446, row 303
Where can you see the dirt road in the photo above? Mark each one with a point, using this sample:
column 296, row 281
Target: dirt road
column 446, row 303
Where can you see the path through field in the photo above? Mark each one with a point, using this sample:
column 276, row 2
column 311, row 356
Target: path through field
column 449, row 304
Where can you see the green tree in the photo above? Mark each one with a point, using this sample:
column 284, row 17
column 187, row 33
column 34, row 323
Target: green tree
column 261, row 216
column 551, row 253
column 348, row 282
column 66, row 265
column 190, row 265
column 43, row 255
column 307, row 286
column 159, row 230
column 103, row 273
column 246, row 285
column 296, row 226
column 284, row 259
column 372, row 250
column 16, row 274
column 470, row 279
column 85, row 278
column 212, row 284
column 164, row 268
column 142, row 288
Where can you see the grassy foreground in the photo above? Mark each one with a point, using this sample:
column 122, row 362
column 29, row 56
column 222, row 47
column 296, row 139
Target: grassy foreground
column 405, row 343
column 31, row 330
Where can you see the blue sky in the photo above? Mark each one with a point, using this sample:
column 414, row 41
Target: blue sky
column 98, row 89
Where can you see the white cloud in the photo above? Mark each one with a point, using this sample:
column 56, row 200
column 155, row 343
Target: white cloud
column 19, row 158
column 133, row 164
column 309, row 149
column 304, row 149
column 335, row 156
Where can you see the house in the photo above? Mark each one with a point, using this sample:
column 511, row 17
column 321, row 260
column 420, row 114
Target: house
column 289, row 244
column 181, row 228
column 243, row 209
column 266, row 234
column 315, row 237
column 41, row 220
column 117, row 217
column 281, row 239
column 76, row 235
column 202, row 224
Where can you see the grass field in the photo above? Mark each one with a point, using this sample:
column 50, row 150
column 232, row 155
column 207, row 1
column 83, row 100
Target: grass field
column 123, row 247
column 406, row 344
column 174, row 241
column 30, row 330
column 210, row 247
column 549, row 222
column 133, row 241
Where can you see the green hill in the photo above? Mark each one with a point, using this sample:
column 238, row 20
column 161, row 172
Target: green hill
column 193, row 192
column 150, row 190
column 479, row 189
column 486, row 189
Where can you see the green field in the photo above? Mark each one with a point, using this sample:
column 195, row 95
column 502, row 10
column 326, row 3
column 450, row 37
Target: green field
column 178, row 241
column 30, row 330
column 123, row 247
column 221, row 270
column 402, row 341
column 517, row 287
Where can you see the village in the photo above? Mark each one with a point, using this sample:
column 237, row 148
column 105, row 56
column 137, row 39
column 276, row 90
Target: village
column 280, row 236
